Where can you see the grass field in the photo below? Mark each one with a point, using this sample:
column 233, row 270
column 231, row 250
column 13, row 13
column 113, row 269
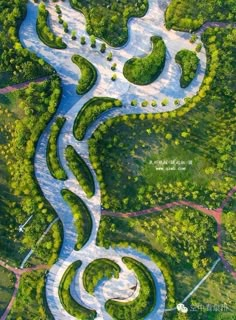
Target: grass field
column 7, row 280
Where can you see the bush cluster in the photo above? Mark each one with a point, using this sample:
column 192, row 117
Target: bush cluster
column 88, row 74
column 188, row 61
column 90, row 112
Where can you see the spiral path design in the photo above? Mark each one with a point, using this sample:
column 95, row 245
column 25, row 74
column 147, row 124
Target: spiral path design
column 166, row 86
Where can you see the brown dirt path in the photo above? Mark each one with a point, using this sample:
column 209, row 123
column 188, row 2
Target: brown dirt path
column 22, row 85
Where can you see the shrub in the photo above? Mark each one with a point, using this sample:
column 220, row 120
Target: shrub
column 145, row 70
column 88, row 74
column 188, row 62
column 90, row 112
column 68, row 302
column 80, row 170
column 81, row 215
column 53, row 160
column 98, row 270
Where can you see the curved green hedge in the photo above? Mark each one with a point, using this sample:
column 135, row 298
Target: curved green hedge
column 98, row 270
column 81, row 171
column 44, row 32
column 145, row 70
column 88, row 74
column 108, row 20
column 91, row 110
column 70, row 305
column 140, row 307
column 53, row 161
column 188, row 61
column 82, row 217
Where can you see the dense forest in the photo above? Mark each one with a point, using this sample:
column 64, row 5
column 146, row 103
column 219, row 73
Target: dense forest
column 108, row 19
column 17, row 64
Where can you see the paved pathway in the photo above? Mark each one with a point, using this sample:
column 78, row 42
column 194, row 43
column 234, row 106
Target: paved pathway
column 18, row 273
column 166, row 86
column 22, row 85
column 215, row 213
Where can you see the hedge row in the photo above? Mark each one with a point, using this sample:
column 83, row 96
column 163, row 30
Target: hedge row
column 98, row 270
column 81, row 171
column 68, row 302
column 44, row 32
column 91, row 111
column 82, row 217
column 144, row 303
column 145, row 70
column 188, row 61
column 53, row 160
column 88, row 74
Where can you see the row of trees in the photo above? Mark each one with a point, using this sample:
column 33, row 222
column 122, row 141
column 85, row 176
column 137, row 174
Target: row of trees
column 44, row 32
column 98, row 270
column 88, row 74
column 36, row 106
column 53, row 160
column 108, row 20
column 145, row 70
column 91, row 111
column 81, row 215
column 80, row 170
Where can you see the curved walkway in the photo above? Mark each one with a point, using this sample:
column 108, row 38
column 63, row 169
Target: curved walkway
column 166, row 86
column 215, row 213
column 18, row 273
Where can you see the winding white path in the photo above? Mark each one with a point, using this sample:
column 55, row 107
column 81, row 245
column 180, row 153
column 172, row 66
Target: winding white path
column 167, row 85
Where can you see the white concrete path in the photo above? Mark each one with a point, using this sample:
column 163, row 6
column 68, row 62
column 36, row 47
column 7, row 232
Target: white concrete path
column 166, row 86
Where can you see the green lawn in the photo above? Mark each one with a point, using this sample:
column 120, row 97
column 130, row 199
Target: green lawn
column 215, row 299
column 7, row 280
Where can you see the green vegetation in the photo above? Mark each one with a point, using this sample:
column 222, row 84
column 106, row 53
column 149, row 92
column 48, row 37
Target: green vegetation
column 188, row 15
column 82, row 217
column 91, row 111
column 53, row 160
column 108, row 19
column 214, row 299
column 44, row 32
column 167, row 237
column 46, row 252
column 24, row 115
column 144, row 303
column 146, row 69
column 80, row 170
column 229, row 237
column 188, row 61
column 149, row 159
column 67, row 300
column 98, row 270
column 31, row 303
column 7, row 280
column 88, row 74
column 17, row 64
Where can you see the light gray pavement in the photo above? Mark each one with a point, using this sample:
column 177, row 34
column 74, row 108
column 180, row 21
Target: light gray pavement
column 167, row 85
